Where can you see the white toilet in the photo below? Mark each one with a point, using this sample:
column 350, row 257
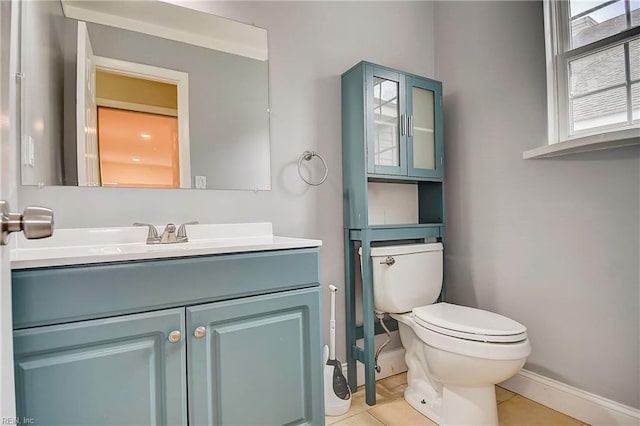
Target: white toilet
column 454, row 354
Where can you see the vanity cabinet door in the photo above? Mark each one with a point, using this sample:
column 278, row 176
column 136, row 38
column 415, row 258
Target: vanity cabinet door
column 256, row 360
column 116, row 371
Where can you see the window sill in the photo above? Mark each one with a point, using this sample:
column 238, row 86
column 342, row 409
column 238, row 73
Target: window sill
column 575, row 145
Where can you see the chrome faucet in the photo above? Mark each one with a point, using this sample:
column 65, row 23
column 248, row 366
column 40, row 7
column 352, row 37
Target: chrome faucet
column 169, row 235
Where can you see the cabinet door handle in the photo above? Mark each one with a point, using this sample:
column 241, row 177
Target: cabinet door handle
column 403, row 125
column 175, row 336
column 200, row 332
column 410, row 126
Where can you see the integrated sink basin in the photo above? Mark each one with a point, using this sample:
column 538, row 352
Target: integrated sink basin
column 98, row 245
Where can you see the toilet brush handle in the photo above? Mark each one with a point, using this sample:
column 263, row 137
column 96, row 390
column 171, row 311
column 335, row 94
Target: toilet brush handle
column 332, row 339
column 332, row 322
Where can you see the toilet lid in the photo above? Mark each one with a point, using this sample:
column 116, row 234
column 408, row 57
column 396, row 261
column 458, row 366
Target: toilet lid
column 469, row 323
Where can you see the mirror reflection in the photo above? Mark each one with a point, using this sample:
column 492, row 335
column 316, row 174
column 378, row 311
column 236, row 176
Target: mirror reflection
column 109, row 106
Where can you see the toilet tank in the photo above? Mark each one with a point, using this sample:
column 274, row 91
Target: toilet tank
column 406, row 276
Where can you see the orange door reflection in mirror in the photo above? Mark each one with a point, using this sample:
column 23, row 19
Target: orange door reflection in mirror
column 138, row 149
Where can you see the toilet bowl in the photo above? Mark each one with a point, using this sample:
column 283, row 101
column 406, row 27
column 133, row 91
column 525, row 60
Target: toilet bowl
column 455, row 354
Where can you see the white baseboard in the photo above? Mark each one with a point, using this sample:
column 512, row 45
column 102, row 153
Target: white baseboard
column 391, row 362
column 584, row 406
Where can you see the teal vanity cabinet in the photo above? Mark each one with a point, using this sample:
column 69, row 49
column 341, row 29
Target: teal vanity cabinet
column 402, row 117
column 210, row 340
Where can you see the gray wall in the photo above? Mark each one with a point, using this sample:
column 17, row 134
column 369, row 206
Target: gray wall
column 310, row 45
column 550, row 243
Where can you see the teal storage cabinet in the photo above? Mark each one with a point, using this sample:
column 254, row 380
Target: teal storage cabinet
column 402, row 116
column 392, row 133
column 208, row 340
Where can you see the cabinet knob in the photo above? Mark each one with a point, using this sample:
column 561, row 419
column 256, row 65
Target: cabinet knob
column 174, row 336
column 200, row 332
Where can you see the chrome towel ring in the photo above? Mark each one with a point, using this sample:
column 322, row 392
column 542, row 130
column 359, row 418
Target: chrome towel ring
column 307, row 156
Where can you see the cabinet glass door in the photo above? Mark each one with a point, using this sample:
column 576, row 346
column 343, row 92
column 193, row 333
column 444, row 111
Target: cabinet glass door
column 424, row 132
column 388, row 120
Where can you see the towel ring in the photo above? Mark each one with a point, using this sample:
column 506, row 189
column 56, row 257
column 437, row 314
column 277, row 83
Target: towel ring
column 307, row 156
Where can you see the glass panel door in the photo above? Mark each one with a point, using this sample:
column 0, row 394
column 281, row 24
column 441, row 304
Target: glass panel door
column 386, row 119
column 387, row 122
column 422, row 129
column 424, row 143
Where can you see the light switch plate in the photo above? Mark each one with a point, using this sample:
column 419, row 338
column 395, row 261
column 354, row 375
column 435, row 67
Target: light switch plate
column 201, row 182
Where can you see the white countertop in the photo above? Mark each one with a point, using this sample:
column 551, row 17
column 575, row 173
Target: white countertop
column 98, row 245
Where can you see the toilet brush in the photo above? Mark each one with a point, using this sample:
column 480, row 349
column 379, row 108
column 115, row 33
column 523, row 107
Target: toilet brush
column 337, row 395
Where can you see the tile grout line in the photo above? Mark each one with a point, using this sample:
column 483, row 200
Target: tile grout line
column 375, row 417
column 508, row 399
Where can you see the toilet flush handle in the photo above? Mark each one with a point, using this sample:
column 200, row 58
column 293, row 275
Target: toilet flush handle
column 389, row 261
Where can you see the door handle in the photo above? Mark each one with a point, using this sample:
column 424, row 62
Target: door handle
column 35, row 222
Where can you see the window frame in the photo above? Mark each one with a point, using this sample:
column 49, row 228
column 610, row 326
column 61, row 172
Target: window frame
column 558, row 55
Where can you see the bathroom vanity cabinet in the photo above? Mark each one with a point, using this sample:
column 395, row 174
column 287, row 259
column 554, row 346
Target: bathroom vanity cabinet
column 208, row 340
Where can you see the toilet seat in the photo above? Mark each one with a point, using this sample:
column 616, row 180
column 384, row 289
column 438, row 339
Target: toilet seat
column 469, row 323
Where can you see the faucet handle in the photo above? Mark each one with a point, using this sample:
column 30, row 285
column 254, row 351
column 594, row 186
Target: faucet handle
column 153, row 232
column 182, row 230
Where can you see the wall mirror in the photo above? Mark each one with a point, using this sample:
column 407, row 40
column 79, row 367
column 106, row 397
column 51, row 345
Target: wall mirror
column 142, row 94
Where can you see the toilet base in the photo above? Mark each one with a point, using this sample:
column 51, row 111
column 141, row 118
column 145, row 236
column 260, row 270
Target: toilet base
column 429, row 404
column 457, row 406
column 469, row 406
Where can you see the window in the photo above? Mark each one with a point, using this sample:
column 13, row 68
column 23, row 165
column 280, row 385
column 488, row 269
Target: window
column 593, row 69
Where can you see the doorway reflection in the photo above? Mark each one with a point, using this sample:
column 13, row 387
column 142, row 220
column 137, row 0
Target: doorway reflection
column 138, row 149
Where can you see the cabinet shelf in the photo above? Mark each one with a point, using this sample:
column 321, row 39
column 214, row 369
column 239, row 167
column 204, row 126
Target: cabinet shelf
column 374, row 177
column 396, row 232
column 407, row 226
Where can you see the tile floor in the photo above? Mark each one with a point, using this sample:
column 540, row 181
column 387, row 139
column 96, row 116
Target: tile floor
column 391, row 409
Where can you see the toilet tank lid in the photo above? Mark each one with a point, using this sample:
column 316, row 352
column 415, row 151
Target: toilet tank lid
column 403, row 249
